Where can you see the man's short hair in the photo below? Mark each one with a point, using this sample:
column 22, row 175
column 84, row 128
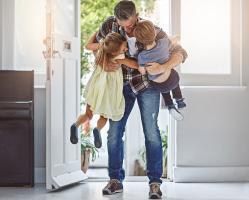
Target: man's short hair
column 124, row 10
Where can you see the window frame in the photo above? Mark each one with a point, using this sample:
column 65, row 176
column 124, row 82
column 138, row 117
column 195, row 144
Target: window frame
column 232, row 79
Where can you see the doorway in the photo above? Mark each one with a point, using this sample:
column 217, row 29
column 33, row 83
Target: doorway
column 153, row 10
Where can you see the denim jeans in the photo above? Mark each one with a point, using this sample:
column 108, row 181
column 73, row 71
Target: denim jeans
column 148, row 102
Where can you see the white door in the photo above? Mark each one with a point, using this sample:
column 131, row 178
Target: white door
column 63, row 160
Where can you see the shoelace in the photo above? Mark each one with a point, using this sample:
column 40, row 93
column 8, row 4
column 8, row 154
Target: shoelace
column 154, row 188
column 112, row 183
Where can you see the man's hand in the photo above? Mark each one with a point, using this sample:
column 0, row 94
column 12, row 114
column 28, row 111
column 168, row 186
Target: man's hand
column 112, row 66
column 154, row 68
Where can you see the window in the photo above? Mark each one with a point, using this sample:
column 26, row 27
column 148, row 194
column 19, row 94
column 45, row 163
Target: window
column 210, row 31
column 65, row 12
column 158, row 14
column 30, row 30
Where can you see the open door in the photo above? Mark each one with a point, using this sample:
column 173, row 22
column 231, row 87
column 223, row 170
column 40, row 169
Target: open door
column 63, row 160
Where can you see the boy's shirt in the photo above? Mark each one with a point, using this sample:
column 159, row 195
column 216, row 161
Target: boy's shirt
column 160, row 54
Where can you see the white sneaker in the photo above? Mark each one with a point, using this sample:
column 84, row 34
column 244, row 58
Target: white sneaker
column 176, row 114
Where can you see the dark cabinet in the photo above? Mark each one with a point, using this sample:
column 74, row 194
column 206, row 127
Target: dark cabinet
column 16, row 128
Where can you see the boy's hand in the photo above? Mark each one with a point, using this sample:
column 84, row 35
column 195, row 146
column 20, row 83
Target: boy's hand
column 142, row 70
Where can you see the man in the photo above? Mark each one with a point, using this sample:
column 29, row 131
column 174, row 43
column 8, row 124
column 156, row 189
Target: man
column 136, row 87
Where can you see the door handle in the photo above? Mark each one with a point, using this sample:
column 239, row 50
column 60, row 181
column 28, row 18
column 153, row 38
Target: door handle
column 55, row 52
column 46, row 54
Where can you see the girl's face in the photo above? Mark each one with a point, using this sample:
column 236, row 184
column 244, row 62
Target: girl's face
column 122, row 49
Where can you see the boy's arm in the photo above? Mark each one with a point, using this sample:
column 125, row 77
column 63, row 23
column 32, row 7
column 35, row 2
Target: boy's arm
column 131, row 63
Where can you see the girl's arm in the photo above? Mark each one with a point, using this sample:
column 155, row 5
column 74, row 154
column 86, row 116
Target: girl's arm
column 92, row 44
column 131, row 63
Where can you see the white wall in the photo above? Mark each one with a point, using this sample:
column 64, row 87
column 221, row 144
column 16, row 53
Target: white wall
column 212, row 141
column 28, row 55
column 7, row 42
column 40, row 134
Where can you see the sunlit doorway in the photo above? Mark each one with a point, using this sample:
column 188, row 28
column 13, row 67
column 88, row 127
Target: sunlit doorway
column 157, row 11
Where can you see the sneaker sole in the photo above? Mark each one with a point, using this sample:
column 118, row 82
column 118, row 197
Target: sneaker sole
column 181, row 108
column 73, row 136
column 155, row 196
column 177, row 116
column 97, row 138
column 108, row 192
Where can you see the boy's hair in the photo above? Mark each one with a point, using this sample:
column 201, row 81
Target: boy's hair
column 124, row 10
column 145, row 32
column 108, row 48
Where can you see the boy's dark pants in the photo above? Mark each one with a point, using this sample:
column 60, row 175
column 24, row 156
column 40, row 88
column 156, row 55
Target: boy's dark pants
column 171, row 84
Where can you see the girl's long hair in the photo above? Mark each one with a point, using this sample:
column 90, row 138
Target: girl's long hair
column 108, row 48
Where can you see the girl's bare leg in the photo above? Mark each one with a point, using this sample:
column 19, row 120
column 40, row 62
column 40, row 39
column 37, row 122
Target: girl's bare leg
column 84, row 117
column 81, row 119
column 101, row 122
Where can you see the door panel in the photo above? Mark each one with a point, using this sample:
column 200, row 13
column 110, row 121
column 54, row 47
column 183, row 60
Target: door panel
column 63, row 94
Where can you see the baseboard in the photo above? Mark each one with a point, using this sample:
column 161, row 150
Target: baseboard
column 211, row 174
column 40, row 175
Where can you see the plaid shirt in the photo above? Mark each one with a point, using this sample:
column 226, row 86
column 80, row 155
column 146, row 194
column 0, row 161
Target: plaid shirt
column 137, row 81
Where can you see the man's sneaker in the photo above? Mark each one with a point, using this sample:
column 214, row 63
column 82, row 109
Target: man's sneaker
column 180, row 104
column 176, row 114
column 74, row 134
column 155, row 192
column 97, row 138
column 113, row 186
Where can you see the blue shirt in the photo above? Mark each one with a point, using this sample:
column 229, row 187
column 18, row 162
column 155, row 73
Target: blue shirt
column 160, row 54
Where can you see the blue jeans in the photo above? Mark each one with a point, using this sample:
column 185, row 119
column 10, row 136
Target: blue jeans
column 148, row 102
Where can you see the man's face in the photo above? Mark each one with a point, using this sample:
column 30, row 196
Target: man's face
column 128, row 24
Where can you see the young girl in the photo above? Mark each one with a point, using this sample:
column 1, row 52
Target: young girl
column 104, row 90
column 159, row 51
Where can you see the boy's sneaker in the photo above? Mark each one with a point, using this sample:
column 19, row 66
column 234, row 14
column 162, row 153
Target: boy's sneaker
column 113, row 186
column 97, row 138
column 155, row 192
column 175, row 113
column 74, row 134
column 180, row 104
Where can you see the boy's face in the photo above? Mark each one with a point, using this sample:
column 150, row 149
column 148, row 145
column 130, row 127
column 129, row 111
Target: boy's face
column 128, row 24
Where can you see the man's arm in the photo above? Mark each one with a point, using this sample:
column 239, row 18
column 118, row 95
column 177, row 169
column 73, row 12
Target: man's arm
column 105, row 28
column 92, row 43
column 156, row 68
column 178, row 56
